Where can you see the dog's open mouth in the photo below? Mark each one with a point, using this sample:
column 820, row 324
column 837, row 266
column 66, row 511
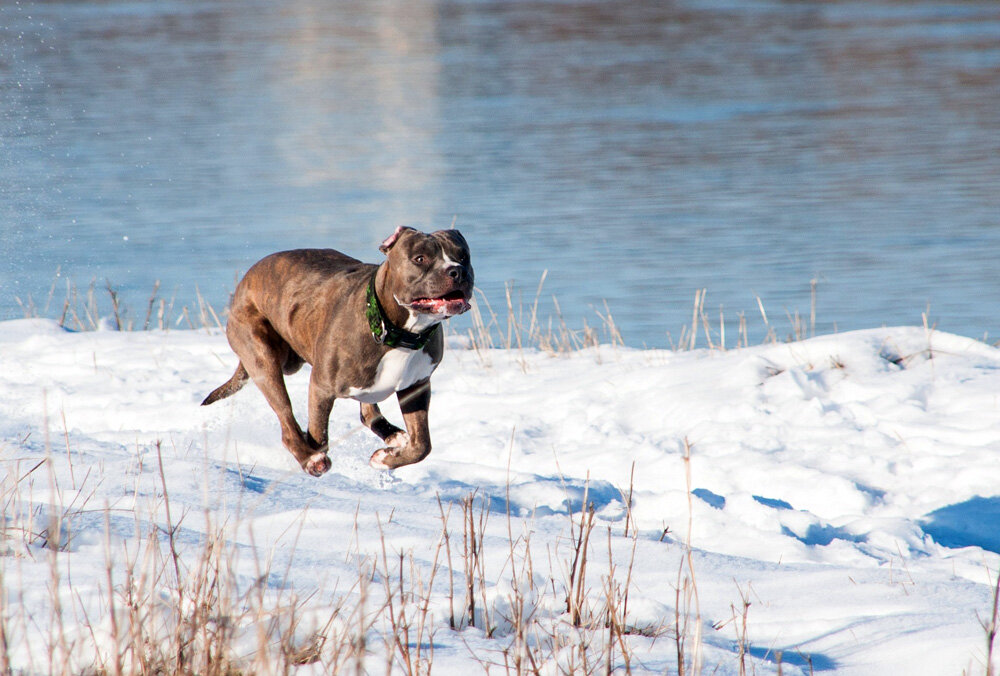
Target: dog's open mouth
column 453, row 303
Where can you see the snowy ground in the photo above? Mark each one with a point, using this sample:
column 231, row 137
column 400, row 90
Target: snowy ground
column 848, row 486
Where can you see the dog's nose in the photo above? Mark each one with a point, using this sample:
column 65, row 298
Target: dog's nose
column 455, row 272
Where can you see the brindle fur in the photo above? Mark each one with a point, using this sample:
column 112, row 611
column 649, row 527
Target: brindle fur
column 308, row 306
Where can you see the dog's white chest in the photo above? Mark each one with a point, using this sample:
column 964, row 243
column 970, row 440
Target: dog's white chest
column 398, row 370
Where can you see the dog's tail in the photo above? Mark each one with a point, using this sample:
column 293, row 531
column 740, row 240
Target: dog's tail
column 230, row 387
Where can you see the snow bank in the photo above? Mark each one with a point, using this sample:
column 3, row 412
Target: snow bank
column 847, row 485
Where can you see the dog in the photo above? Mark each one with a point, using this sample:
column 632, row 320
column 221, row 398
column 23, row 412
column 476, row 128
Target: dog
column 367, row 330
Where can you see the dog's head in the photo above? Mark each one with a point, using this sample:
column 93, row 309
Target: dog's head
column 433, row 271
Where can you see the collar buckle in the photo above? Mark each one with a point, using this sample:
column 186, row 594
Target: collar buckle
column 384, row 332
column 380, row 335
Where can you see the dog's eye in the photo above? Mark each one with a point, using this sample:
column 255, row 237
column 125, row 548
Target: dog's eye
column 419, row 260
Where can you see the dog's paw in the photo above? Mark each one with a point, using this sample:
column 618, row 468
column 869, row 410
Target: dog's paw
column 380, row 459
column 318, row 464
column 398, row 440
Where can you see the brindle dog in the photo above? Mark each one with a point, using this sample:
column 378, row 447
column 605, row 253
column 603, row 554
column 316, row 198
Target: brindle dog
column 367, row 330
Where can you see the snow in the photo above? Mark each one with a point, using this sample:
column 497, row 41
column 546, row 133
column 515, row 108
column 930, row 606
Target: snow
column 848, row 485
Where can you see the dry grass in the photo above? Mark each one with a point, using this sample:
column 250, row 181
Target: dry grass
column 515, row 325
column 714, row 334
column 100, row 306
column 170, row 599
column 168, row 608
column 173, row 597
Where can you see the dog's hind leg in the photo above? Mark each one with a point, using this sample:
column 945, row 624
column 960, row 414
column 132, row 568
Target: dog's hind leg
column 264, row 354
column 293, row 362
column 230, row 387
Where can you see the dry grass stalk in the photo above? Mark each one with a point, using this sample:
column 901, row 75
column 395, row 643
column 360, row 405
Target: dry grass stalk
column 686, row 594
column 722, row 330
column 474, row 561
column 445, row 534
column 742, row 640
column 115, row 308
column 149, row 306
column 514, row 327
column 206, row 310
column 696, row 312
column 5, row 666
column 577, row 570
column 627, row 498
column 771, row 336
column 812, row 305
column 991, row 627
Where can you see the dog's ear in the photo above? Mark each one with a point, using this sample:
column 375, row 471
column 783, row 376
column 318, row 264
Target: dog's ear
column 391, row 239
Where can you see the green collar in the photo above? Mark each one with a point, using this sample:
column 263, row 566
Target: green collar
column 385, row 332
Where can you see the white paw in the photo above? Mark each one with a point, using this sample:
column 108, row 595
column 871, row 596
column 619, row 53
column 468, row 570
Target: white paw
column 378, row 459
column 398, row 440
column 318, row 464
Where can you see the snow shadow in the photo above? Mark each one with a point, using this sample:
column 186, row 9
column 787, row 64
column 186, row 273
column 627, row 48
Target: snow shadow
column 972, row 523
column 774, row 503
column 817, row 533
column 254, row 484
column 541, row 496
column 822, row 535
column 707, row 496
column 808, row 662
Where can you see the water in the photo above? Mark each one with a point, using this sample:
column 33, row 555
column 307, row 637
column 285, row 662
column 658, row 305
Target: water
column 637, row 151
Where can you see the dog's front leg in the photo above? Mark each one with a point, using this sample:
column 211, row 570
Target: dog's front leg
column 372, row 418
column 413, row 445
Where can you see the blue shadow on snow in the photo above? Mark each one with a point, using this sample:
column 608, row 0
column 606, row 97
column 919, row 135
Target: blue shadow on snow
column 794, row 657
column 973, row 523
column 571, row 494
column 249, row 481
column 822, row 535
column 713, row 499
column 816, row 534
column 772, row 502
